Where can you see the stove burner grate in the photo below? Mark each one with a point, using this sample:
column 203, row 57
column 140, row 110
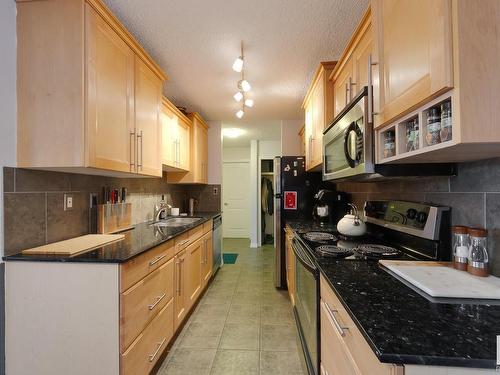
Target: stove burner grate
column 378, row 251
column 319, row 237
column 333, row 251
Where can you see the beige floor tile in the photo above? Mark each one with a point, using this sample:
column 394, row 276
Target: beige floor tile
column 280, row 363
column 232, row 362
column 240, row 336
column 202, row 335
column 276, row 314
column 282, row 337
column 189, row 362
column 244, row 313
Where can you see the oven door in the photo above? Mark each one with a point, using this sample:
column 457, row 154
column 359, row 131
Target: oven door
column 306, row 305
column 348, row 142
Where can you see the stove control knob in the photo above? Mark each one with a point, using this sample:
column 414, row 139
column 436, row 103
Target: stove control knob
column 411, row 213
column 421, row 217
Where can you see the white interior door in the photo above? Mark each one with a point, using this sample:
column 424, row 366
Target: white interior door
column 236, row 199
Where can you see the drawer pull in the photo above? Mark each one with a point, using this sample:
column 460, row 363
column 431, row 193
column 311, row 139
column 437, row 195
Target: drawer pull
column 158, row 299
column 153, row 262
column 341, row 330
column 160, row 344
column 184, row 242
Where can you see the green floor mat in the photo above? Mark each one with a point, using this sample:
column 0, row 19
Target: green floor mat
column 229, row 258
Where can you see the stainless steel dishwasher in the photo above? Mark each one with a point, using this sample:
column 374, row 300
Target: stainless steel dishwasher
column 217, row 242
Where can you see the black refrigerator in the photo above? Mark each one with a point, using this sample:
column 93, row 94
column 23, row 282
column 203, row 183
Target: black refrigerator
column 294, row 190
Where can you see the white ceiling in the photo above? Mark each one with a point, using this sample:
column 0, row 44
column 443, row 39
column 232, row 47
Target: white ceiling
column 259, row 130
column 196, row 41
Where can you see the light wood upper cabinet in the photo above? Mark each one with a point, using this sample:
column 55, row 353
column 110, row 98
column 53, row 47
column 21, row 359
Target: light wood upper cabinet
column 318, row 108
column 176, row 128
column 110, row 96
column 88, row 94
column 413, row 49
column 147, row 119
column 351, row 73
column 302, row 135
column 198, row 170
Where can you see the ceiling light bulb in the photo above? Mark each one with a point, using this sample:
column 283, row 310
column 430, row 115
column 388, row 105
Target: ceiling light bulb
column 244, row 85
column 240, row 113
column 238, row 65
column 238, row 96
column 249, row 103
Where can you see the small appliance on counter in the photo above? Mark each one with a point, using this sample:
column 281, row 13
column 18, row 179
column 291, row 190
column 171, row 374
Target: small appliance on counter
column 329, row 206
column 351, row 224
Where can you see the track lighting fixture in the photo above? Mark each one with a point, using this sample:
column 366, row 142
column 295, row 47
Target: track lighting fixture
column 243, row 85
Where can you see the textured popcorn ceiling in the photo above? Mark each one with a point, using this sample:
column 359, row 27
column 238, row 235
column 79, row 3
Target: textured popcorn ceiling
column 196, row 41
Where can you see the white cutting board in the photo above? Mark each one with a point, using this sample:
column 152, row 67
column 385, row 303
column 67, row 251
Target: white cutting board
column 441, row 280
column 75, row 245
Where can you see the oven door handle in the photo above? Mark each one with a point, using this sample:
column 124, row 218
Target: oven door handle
column 302, row 257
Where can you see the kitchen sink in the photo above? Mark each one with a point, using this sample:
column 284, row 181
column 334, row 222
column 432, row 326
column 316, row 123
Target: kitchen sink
column 176, row 222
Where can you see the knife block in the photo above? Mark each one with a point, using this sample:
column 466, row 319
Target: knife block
column 113, row 218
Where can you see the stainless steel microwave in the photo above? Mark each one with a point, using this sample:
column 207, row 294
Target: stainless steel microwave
column 348, row 146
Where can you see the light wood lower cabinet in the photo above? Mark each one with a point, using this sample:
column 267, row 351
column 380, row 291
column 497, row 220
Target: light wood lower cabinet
column 290, row 265
column 141, row 303
column 194, row 256
column 180, row 296
column 207, row 259
column 145, row 351
column 344, row 351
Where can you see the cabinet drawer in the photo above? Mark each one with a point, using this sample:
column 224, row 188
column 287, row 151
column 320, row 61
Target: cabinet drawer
column 364, row 359
column 144, row 352
column 181, row 242
column 139, row 304
column 138, row 267
column 196, row 233
column 207, row 227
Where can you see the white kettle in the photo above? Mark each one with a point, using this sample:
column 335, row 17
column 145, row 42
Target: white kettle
column 351, row 225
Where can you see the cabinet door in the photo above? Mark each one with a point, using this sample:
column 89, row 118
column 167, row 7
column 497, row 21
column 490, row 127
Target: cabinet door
column 360, row 57
column 414, row 54
column 342, row 86
column 308, row 134
column 201, row 154
column 183, row 131
column 180, row 309
column 194, row 255
column 207, row 259
column 168, row 137
column 147, row 119
column 318, row 123
column 335, row 357
column 109, row 96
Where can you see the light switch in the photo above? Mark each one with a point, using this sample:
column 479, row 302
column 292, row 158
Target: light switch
column 68, row 202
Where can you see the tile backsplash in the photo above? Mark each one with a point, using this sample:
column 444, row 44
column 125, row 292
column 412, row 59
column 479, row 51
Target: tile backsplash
column 33, row 203
column 473, row 195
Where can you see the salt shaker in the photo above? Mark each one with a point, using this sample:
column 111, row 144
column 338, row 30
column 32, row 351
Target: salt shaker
column 460, row 241
column 478, row 254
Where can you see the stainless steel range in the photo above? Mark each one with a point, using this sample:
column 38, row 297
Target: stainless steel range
column 396, row 230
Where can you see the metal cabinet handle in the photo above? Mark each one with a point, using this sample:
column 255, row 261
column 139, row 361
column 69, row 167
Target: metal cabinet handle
column 156, row 260
column 158, row 299
column 184, row 242
column 371, row 112
column 160, row 344
column 340, row 329
column 174, row 151
column 351, row 83
column 346, row 93
column 178, row 291
column 178, row 158
column 139, row 136
column 132, row 150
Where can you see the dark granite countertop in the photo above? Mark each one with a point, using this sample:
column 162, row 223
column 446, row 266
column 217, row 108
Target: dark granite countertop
column 141, row 238
column 402, row 326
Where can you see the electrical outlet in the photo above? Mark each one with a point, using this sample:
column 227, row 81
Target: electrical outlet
column 68, row 202
column 216, row 191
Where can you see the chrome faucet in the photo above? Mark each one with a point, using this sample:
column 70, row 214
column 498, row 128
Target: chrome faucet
column 161, row 207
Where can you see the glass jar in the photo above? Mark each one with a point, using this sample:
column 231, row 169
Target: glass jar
column 445, row 133
column 460, row 243
column 478, row 262
column 389, row 144
column 412, row 135
column 433, row 126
